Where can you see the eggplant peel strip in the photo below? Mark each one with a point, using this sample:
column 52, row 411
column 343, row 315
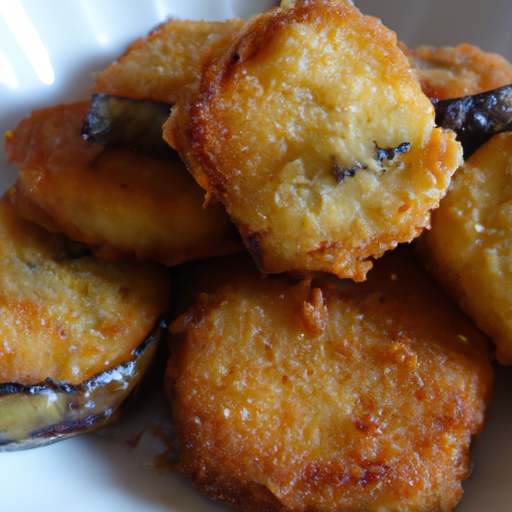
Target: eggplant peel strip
column 54, row 410
column 125, row 123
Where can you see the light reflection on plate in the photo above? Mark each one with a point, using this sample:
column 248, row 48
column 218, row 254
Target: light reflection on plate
column 103, row 471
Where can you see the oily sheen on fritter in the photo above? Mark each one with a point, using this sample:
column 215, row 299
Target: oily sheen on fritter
column 469, row 246
column 314, row 133
column 326, row 395
column 77, row 333
column 118, row 202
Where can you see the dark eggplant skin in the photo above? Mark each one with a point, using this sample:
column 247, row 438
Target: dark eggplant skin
column 124, row 123
column 46, row 412
column 476, row 118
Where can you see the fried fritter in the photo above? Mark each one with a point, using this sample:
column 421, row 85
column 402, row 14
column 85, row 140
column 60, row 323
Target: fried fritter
column 315, row 135
column 77, row 333
column 118, row 202
column 469, row 248
column 328, row 395
column 452, row 72
column 67, row 316
column 168, row 62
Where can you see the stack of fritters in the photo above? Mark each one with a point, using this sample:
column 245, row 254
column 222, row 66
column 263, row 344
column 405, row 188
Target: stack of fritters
column 312, row 127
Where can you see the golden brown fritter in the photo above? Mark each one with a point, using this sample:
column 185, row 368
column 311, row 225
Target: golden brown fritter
column 76, row 334
column 328, row 395
column 314, row 133
column 168, row 62
column 469, row 248
column 67, row 316
column 451, row 72
column 118, row 202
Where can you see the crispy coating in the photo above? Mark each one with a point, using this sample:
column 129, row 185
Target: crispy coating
column 451, row 72
column 323, row 396
column 67, row 316
column 168, row 62
column 314, row 133
column 117, row 202
column 469, row 248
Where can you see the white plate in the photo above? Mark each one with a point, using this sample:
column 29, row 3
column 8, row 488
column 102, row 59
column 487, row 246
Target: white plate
column 100, row 471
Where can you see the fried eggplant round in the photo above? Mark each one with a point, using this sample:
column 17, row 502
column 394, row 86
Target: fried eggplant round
column 314, row 133
column 118, row 202
column 77, row 333
column 469, row 247
column 450, row 72
column 167, row 63
column 327, row 395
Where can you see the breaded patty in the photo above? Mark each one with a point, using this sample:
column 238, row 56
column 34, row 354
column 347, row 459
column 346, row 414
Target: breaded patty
column 328, row 395
column 67, row 316
column 313, row 132
column 168, row 62
column 118, row 202
column 451, row 72
column 469, row 248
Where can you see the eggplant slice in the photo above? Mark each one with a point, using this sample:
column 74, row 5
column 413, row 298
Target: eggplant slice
column 119, row 203
column 77, row 333
column 43, row 413
column 325, row 394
